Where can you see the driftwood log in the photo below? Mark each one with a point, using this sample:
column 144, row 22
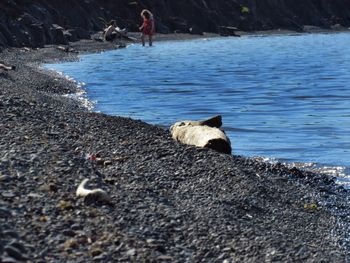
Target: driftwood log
column 228, row 31
column 5, row 67
column 202, row 134
column 96, row 194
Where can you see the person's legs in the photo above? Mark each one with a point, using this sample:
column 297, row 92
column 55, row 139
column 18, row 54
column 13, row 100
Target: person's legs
column 143, row 39
column 150, row 40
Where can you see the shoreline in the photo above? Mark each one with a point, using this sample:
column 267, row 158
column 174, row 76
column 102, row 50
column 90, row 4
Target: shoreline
column 170, row 202
column 331, row 169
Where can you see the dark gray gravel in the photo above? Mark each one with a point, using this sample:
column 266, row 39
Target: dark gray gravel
column 170, row 202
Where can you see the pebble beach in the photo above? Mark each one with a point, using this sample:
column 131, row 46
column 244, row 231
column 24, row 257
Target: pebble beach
column 168, row 202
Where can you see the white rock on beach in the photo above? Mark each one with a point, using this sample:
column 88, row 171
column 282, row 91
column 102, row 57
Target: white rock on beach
column 97, row 194
column 202, row 134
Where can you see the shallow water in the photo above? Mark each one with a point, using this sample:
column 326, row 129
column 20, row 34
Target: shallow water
column 285, row 98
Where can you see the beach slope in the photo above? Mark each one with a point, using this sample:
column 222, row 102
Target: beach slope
column 169, row 202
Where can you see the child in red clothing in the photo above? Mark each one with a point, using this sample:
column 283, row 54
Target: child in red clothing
column 147, row 27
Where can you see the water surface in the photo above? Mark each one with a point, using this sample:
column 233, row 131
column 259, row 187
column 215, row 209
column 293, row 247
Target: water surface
column 281, row 97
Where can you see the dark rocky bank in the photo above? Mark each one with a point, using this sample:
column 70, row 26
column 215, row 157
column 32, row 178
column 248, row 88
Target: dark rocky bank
column 36, row 23
column 170, row 202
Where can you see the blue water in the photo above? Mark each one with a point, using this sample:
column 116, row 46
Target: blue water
column 281, row 97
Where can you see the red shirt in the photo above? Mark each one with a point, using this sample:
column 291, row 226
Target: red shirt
column 148, row 27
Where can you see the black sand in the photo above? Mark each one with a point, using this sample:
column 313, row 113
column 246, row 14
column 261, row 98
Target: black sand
column 170, row 202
